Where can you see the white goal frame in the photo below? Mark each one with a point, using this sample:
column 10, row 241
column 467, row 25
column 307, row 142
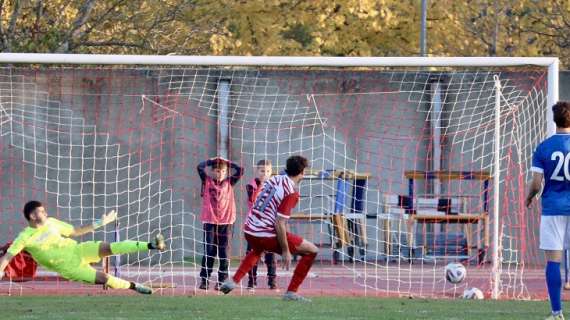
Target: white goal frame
column 551, row 63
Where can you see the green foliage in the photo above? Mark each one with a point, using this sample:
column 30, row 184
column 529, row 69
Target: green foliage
column 285, row 27
column 300, row 33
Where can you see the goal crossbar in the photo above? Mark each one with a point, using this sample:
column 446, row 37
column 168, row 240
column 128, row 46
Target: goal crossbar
column 103, row 59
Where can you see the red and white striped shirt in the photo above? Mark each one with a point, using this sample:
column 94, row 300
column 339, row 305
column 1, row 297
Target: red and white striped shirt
column 276, row 198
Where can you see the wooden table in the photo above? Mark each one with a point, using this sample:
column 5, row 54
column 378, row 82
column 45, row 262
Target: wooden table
column 481, row 220
column 338, row 223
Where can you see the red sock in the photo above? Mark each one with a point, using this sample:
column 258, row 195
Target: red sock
column 301, row 271
column 246, row 264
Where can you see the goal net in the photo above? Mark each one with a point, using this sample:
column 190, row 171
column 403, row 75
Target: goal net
column 403, row 176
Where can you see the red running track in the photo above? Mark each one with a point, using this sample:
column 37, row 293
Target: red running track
column 391, row 280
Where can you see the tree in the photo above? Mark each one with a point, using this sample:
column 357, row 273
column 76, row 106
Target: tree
column 286, row 27
column 500, row 28
column 112, row 26
column 320, row 27
column 549, row 25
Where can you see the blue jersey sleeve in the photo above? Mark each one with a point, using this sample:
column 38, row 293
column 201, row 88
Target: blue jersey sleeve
column 538, row 161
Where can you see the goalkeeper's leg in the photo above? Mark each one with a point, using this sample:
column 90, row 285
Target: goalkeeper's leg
column 129, row 246
column 87, row 274
column 118, row 283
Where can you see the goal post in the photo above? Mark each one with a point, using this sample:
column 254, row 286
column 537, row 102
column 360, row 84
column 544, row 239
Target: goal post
column 411, row 140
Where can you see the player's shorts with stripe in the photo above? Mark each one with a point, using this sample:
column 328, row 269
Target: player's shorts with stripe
column 554, row 232
column 79, row 267
column 271, row 244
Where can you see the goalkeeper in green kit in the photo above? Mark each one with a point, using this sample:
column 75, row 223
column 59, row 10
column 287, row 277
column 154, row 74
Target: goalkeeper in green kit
column 49, row 242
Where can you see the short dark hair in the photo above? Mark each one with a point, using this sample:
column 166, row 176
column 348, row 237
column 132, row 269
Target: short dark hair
column 219, row 164
column 30, row 207
column 561, row 113
column 264, row 162
column 295, row 165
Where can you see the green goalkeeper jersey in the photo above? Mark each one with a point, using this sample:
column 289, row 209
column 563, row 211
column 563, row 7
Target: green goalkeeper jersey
column 49, row 244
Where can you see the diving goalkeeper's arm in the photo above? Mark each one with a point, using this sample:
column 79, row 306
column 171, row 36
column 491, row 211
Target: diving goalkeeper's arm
column 105, row 219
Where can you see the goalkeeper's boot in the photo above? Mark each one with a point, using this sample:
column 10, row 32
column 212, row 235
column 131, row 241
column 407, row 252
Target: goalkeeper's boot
column 158, row 242
column 228, row 286
column 140, row 288
column 559, row 316
column 293, row 296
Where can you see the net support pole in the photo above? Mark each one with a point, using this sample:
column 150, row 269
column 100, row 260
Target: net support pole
column 223, row 111
column 435, row 112
column 495, row 273
column 436, row 109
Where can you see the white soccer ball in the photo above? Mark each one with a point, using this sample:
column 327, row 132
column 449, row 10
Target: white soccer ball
column 455, row 272
column 473, row 293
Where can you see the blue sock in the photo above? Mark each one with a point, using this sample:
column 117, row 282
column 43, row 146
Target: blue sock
column 554, row 284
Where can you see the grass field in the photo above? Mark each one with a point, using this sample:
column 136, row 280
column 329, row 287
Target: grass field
column 238, row 307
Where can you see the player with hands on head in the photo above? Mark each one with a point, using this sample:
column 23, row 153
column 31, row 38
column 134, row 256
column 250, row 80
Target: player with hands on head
column 218, row 215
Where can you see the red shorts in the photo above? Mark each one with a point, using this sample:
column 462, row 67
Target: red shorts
column 271, row 244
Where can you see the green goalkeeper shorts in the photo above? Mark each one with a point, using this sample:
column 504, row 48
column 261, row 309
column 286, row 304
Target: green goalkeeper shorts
column 79, row 267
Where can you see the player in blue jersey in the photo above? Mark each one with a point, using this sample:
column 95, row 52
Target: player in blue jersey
column 551, row 164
